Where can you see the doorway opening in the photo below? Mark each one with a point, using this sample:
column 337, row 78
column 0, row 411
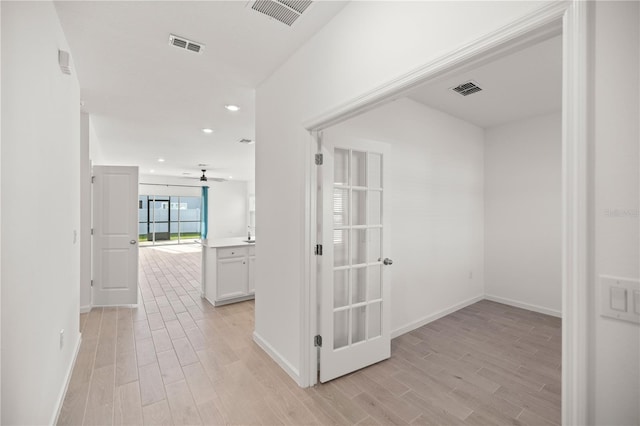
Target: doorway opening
column 168, row 219
column 570, row 20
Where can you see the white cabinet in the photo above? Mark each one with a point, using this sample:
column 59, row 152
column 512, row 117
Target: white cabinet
column 252, row 274
column 228, row 273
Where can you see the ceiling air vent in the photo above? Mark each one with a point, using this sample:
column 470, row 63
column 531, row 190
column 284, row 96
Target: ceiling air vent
column 186, row 44
column 468, row 88
column 285, row 11
column 247, row 141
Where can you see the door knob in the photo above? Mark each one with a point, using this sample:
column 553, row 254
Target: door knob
column 132, row 242
column 387, row 261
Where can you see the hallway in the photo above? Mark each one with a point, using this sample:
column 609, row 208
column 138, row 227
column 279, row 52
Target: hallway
column 179, row 360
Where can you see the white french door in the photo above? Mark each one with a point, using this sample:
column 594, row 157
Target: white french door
column 354, row 272
column 115, row 235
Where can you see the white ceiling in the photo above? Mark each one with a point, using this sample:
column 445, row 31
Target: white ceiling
column 524, row 84
column 150, row 100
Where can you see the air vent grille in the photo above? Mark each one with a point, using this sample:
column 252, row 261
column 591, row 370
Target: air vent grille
column 468, row 88
column 183, row 43
column 298, row 5
column 247, row 141
column 285, row 11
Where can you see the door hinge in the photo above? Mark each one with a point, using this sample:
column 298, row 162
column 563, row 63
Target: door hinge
column 319, row 159
column 91, row 283
column 91, row 231
column 318, row 250
column 93, row 179
column 317, row 341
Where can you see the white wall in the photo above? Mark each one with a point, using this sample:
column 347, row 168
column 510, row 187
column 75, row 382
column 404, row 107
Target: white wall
column 227, row 202
column 436, row 201
column 365, row 45
column 85, row 213
column 170, row 186
column 523, row 212
column 227, row 209
column 615, row 352
column 0, row 219
column 40, row 212
column 95, row 146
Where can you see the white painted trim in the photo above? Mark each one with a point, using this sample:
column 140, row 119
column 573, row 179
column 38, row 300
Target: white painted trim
column 533, row 27
column 309, row 312
column 132, row 305
column 279, row 359
column 577, row 213
column 577, row 166
column 85, row 309
column 435, row 316
column 63, row 391
column 307, row 322
column 527, row 306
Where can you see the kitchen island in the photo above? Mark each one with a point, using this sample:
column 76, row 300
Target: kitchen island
column 228, row 270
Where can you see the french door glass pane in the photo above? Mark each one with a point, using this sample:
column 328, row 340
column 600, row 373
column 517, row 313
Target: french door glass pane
column 340, row 288
column 359, row 209
column 375, row 171
column 341, row 166
column 340, row 247
column 375, row 245
column 375, row 204
column 358, row 324
column 358, row 285
column 357, row 243
column 359, row 246
column 340, row 207
column 340, row 329
column 375, row 319
column 375, row 282
column 358, row 168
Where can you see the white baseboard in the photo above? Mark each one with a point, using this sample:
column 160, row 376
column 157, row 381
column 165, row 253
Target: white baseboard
column 429, row 318
column 85, row 309
column 522, row 305
column 279, row 359
column 67, row 380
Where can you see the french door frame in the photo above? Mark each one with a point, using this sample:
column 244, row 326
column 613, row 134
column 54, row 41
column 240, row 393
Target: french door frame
column 572, row 18
column 150, row 221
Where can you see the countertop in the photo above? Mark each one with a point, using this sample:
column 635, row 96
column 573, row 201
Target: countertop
column 227, row 242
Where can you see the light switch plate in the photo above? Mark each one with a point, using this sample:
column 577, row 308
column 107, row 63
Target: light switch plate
column 620, row 298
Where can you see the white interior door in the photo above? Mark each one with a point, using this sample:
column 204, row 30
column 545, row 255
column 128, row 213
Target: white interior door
column 115, row 235
column 354, row 271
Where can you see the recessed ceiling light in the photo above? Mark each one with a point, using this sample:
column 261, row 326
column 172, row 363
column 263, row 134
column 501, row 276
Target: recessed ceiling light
column 151, row 171
column 160, row 160
column 207, row 130
column 232, row 107
column 230, row 177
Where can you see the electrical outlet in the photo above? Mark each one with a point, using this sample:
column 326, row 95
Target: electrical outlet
column 61, row 338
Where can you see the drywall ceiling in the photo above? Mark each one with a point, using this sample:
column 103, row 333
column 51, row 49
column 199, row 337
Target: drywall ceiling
column 150, row 100
column 523, row 84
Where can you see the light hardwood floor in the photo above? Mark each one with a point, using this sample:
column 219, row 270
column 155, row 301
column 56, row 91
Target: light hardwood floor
column 178, row 360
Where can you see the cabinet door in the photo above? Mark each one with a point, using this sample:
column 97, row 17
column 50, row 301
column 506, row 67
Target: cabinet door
column 231, row 278
column 252, row 275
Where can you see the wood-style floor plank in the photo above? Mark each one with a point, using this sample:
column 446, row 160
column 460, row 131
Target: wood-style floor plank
column 175, row 359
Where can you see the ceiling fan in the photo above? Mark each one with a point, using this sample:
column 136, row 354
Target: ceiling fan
column 204, row 177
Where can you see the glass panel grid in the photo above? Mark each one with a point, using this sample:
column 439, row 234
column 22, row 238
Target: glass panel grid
column 357, row 247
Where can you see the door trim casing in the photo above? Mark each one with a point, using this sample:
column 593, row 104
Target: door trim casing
column 572, row 19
